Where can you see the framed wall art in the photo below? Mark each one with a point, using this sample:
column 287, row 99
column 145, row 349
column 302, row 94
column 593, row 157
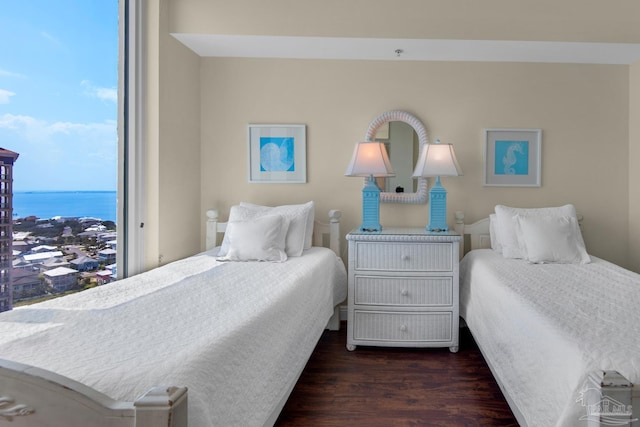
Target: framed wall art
column 277, row 153
column 512, row 157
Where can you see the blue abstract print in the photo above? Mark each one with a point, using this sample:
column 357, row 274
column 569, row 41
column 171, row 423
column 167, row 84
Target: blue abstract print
column 277, row 154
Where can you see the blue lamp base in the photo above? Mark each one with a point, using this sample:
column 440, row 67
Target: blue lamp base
column 437, row 208
column 371, row 207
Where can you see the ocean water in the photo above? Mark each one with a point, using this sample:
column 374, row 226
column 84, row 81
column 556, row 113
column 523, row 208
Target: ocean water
column 47, row 204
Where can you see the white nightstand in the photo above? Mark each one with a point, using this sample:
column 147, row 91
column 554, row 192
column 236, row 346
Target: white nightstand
column 403, row 288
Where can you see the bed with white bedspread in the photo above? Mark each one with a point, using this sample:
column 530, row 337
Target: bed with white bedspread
column 235, row 334
column 550, row 330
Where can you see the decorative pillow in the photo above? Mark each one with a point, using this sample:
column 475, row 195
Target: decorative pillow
column 493, row 234
column 258, row 239
column 551, row 239
column 505, row 225
column 236, row 214
column 301, row 219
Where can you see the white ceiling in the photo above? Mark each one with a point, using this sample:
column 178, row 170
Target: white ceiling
column 246, row 46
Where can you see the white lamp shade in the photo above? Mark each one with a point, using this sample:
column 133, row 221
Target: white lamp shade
column 369, row 158
column 437, row 160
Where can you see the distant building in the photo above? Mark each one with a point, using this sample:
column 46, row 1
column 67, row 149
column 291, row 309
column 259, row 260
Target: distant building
column 20, row 235
column 109, row 236
column 104, row 276
column 63, row 219
column 108, row 275
column 55, row 262
column 7, row 159
column 20, row 263
column 26, row 284
column 67, row 232
column 43, row 248
column 84, row 263
column 107, row 255
column 40, row 257
column 61, row 279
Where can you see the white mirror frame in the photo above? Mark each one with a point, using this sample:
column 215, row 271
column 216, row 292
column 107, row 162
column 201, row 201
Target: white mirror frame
column 420, row 195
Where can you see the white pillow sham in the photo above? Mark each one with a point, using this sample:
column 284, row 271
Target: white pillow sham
column 257, row 239
column 493, row 233
column 301, row 218
column 551, row 239
column 505, row 225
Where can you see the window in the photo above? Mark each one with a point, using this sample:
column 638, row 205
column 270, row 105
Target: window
column 60, row 104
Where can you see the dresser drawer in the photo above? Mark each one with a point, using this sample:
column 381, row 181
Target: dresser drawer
column 403, row 256
column 403, row 291
column 404, row 327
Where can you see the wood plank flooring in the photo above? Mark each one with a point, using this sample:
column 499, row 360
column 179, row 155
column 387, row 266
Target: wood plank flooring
column 389, row 387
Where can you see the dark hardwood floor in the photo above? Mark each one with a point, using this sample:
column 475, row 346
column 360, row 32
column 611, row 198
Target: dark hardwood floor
column 391, row 387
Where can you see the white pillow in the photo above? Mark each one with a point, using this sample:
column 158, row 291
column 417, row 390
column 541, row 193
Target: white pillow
column 236, row 214
column 493, row 234
column 258, row 239
column 505, row 225
column 551, row 239
column 301, row 219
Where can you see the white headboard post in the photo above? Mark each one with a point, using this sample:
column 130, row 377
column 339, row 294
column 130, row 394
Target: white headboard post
column 212, row 229
column 334, row 230
column 478, row 233
column 459, row 228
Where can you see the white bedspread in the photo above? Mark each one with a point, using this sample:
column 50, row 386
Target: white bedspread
column 544, row 327
column 236, row 334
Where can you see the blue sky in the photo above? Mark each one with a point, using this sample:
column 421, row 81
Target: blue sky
column 58, row 92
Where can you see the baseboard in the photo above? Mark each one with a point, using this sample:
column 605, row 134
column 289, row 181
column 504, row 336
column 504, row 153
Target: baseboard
column 343, row 312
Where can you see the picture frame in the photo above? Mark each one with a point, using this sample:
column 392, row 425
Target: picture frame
column 512, row 157
column 277, row 153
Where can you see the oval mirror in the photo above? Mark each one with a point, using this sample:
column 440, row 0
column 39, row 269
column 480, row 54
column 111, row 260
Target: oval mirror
column 403, row 135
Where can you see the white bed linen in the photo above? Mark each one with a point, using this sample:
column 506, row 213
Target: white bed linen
column 544, row 327
column 236, row 334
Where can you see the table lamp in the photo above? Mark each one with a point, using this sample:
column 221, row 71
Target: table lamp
column 437, row 160
column 370, row 160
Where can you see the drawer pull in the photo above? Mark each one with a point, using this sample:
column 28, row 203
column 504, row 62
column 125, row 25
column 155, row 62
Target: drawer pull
column 403, row 328
column 405, row 257
column 404, row 292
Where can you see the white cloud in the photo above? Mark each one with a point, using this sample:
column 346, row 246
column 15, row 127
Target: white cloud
column 61, row 155
column 5, row 95
column 6, row 73
column 49, row 37
column 103, row 93
column 37, row 131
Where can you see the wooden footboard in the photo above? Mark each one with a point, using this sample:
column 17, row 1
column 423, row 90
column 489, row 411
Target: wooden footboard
column 617, row 403
column 35, row 397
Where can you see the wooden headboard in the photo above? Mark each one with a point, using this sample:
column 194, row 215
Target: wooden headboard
column 324, row 234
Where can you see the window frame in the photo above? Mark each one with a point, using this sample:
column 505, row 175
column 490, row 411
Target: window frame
column 131, row 137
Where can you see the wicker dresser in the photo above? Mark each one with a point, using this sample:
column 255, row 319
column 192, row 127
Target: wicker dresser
column 403, row 288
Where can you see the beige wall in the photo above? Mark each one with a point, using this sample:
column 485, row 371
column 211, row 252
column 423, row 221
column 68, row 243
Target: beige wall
column 634, row 166
column 198, row 109
column 172, row 148
column 581, row 109
column 155, row 24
